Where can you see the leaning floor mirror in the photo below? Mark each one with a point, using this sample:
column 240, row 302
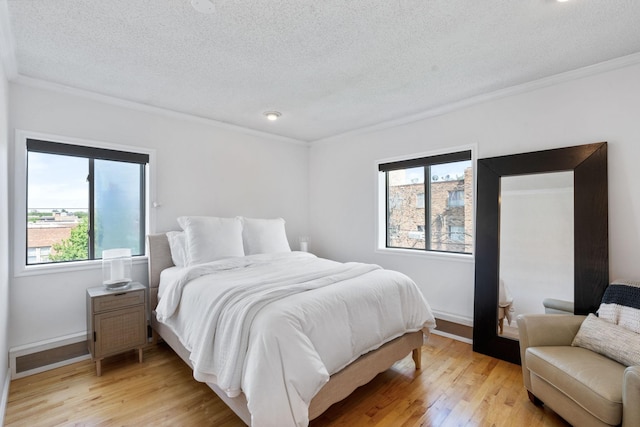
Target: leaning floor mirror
column 541, row 240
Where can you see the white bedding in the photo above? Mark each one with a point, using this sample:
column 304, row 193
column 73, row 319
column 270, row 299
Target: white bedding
column 277, row 326
column 167, row 277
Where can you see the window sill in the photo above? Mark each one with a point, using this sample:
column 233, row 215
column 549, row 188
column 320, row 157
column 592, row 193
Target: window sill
column 67, row 267
column 444, row 256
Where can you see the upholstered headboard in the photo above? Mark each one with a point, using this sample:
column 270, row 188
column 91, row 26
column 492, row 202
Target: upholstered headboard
column 159, row 259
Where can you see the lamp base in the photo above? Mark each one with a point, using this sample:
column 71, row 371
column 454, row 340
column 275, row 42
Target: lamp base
column 117, row 286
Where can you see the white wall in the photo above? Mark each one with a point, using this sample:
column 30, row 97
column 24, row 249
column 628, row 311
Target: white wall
column 601, row 107
column 201, row 169
column 4, row 235
column 328, row 192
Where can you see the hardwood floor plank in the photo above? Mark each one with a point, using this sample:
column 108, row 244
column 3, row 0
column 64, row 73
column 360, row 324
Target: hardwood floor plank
column 455, row 387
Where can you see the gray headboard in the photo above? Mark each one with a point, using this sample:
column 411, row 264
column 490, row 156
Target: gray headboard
column 159, row 259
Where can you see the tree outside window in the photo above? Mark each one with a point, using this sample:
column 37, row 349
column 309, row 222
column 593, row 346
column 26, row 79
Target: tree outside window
column 82, row 200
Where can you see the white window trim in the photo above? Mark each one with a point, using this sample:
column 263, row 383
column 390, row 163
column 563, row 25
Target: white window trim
column 19, row 197
column 381, row 214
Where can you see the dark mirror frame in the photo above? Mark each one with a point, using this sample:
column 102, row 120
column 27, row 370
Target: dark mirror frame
column 591, row 236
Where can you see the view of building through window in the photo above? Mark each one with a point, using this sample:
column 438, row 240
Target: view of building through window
column 78, row 205
column 447, row 209
column 57, row 205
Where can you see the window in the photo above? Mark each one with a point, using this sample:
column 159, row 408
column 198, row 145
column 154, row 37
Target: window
column 82, row 200
column 456, row 198
column 456, row 233
column 425, row 205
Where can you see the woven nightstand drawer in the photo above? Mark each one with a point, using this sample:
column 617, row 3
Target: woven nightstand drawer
column 117, row 300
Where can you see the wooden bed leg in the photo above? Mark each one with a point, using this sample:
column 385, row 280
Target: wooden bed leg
column 417, row 357
column 154, row 337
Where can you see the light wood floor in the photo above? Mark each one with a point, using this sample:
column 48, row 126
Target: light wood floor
column 455, row 387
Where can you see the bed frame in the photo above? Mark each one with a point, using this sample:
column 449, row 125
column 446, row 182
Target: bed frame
column 340, row 385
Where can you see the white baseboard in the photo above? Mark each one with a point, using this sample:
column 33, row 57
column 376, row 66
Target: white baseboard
column 5, row 396
column 454, row 318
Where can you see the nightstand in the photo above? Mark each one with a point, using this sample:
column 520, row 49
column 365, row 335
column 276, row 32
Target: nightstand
column 116, row 322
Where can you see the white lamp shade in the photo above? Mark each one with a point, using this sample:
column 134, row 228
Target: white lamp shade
column 116, row 267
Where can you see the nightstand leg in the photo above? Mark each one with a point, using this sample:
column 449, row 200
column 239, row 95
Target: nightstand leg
column 140, row 355
column 99, row 367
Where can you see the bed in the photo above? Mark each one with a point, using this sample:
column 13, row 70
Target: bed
column 306, row 401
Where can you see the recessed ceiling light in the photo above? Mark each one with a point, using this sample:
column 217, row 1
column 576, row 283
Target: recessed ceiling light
column 272, row 115
column 203, row 6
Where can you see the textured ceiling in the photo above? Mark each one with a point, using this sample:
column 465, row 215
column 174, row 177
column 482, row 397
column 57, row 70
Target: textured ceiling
column 329, row 66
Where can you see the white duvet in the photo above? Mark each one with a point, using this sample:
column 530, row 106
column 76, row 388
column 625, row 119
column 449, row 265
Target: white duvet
column 277, row 326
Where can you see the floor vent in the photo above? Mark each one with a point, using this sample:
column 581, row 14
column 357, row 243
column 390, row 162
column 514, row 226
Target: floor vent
column 35, row 358
column 33, row 361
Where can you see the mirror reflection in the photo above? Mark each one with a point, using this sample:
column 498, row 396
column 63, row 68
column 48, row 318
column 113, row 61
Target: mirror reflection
column 536, row 254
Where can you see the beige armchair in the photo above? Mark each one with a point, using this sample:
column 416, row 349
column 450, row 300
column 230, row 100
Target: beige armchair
column 583, row 387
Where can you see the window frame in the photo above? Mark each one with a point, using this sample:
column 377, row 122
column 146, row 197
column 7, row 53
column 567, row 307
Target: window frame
column 20, row 266
column 408, row 161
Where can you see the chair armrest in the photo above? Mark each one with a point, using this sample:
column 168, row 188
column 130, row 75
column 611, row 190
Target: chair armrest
column 557, row 306
column 537, row 330
column 631, row 397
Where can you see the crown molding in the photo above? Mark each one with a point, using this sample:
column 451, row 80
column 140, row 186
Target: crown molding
column 591, row 70
column 9, row 65
column 8, row 60
column 132, row 105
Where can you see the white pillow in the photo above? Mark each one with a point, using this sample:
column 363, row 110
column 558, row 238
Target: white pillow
column 177, row 244
column 264, row 236
column 211, row 238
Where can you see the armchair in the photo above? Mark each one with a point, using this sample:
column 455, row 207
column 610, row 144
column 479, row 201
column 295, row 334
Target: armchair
column 582, row 386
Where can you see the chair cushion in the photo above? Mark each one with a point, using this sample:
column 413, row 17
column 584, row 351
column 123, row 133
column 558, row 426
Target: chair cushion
column 591, row 380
